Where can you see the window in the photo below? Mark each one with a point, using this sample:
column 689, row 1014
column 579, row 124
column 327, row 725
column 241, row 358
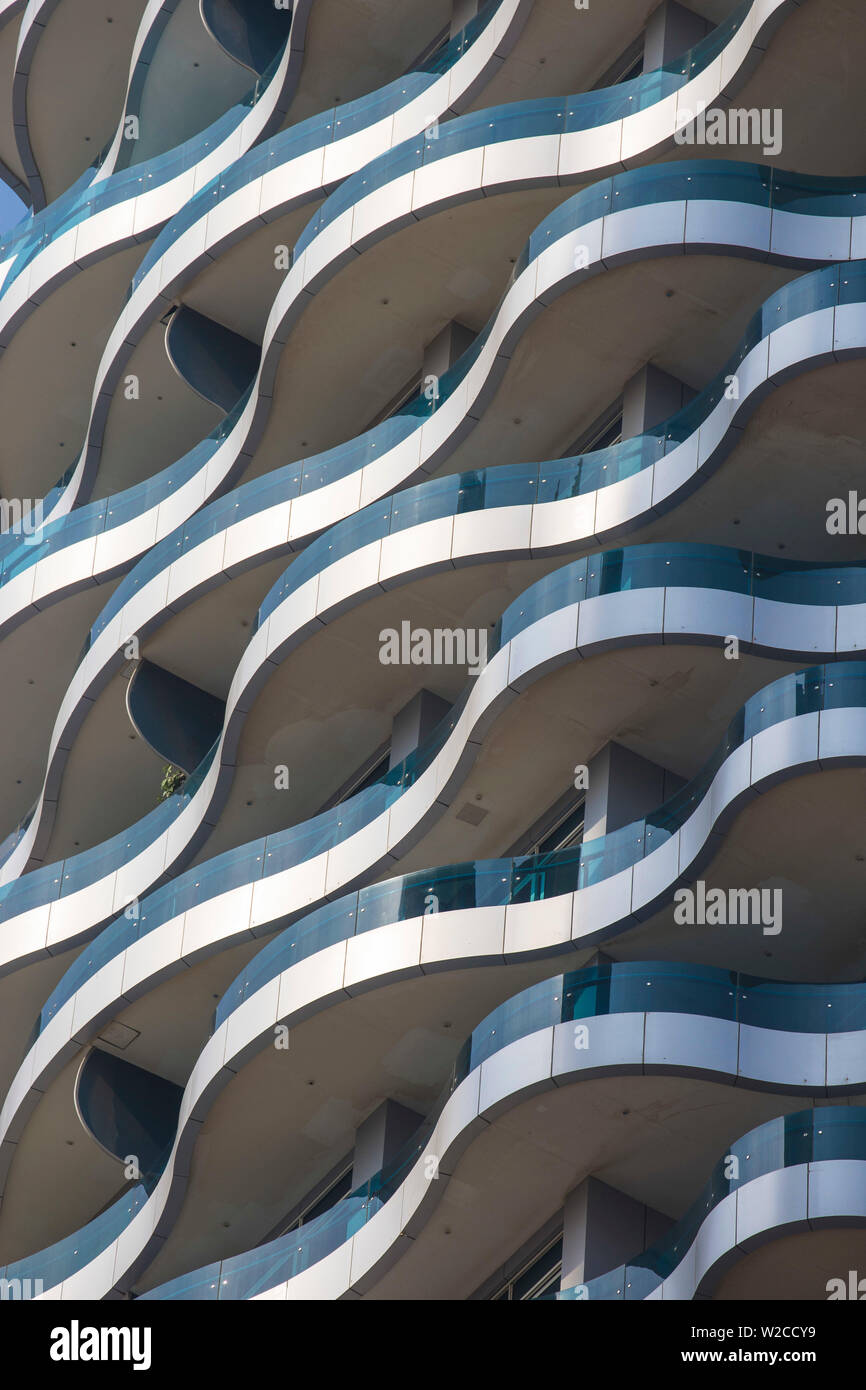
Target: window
column 628, row 65
column 339, row 1188
column 367, row 779
column 609, row 434
column 561, row 828
column 537, row 1281
column 567, row 831
column 633, row 68
column 601, row 434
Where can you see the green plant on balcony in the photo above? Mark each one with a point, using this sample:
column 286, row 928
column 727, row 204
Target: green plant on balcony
column 173, row 779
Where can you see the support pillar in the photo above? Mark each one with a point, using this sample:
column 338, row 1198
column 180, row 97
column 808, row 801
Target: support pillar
column 603, row 1228
column 623, row 786
column 445, row 348
column 462, row 11
column 671, row 31
column 650, row 397
column 380, row 1137
column 414, row 723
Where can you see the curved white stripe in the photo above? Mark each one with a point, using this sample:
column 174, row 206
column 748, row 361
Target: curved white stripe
column 800, row 745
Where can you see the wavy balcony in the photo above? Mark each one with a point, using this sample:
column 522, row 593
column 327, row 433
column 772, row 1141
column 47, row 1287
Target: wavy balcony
column 651, row 1003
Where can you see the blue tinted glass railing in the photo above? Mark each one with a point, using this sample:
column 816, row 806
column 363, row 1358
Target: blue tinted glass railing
column 91, row 195
column 501, row 882
column 548, row 875
column 298, row 140
column 555, row 480
column 321, row 129
column 532, row 483
column 64, row 1259
column 522, row 120
column 603, row 989
column 80, row 871
column 809, row 1136
column 68, row 1256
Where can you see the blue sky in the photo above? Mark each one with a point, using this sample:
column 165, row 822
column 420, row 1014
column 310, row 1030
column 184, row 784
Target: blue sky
column 11, row 208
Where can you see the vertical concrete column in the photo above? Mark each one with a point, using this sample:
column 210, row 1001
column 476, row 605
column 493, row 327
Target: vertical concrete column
column 650, row 397
column 438, row 355
column 380, row 1137
column 599, row 958
column 462, row 11
column 445, row 348
column 672, row 30
column 603, row 1228
column 414, row 723
column 623, row 786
